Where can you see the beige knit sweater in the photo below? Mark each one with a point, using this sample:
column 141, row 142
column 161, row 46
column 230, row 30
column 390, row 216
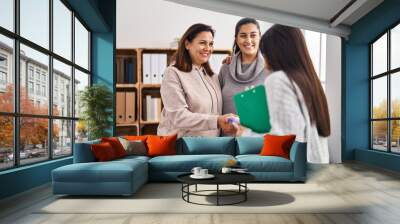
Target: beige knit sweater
column 192, row 103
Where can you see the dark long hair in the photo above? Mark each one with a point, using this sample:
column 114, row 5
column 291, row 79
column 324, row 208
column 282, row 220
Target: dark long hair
column 183, row 62
column 284, row 49
column 239, row 24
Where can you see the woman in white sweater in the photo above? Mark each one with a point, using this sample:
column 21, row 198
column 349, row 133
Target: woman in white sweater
column 296, row 100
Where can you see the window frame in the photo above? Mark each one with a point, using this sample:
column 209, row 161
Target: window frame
column 388, row 74
column 16, row 114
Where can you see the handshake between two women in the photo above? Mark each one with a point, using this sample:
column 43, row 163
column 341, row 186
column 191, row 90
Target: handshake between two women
column 229, row 123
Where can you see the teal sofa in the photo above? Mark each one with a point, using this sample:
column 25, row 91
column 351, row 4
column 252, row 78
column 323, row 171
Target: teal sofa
column 125, row 176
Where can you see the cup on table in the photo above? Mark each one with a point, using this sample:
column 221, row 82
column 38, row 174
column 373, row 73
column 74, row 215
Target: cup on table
column 226, row 170
column 203, row 172
column 196, row 170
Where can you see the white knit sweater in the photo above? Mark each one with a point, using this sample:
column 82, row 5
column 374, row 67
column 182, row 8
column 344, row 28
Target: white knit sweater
column 288, row 117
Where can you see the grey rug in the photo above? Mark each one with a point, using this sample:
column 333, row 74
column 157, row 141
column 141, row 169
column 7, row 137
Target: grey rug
column 166, row 198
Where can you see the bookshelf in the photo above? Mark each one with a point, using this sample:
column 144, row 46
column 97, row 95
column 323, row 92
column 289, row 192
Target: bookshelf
column 139, row 75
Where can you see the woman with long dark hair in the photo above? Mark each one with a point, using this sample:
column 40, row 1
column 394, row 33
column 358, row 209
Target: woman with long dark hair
column 190, row 90
column 246, row 67
column 296, row 100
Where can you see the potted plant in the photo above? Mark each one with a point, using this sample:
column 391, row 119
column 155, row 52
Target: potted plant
column 96, row 104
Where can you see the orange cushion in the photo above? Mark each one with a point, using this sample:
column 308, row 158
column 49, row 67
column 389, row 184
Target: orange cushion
column 161, row 145
column 135, row 138
column 103, row 151
column 275, row 145
column 116, row 145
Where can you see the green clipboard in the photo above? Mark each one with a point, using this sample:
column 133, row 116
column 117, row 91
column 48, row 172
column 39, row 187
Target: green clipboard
column 252, row 109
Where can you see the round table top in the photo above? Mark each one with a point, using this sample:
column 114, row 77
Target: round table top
column 220, row 178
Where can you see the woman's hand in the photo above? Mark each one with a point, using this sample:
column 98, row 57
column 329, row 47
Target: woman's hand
column 224, row 124
column 227, row 60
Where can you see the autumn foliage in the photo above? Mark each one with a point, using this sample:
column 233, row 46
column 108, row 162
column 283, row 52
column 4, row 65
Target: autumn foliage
column 33, row 131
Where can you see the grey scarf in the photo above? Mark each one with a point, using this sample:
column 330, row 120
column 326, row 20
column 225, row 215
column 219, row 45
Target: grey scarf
column 249, row 74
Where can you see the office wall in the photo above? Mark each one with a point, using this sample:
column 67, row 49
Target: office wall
column 161, row 22
column 333, row 95
column 355, row 90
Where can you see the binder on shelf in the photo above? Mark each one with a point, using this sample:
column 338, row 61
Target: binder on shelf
column 120, row 70
column 130, row 109
column 149, row 108
column 146, row 68
column 154, row 68
column 162, row 65
column 121, row 107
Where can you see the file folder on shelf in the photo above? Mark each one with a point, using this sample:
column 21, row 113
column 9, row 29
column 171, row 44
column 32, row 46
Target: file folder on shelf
column 146, row 68
column 130, row 109
column 121, row 107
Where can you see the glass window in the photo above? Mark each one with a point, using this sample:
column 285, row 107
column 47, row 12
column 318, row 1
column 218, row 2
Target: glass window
column 7, row 74
column 81, row 45
column 81, row 81
column 33, row 140
column 379, row 56
column 395, row 95
column 6, row 142
column 7, row 14
column 81, row 131
column 34, row 21
column 379, row 135
column 62, row 29
column 62, row 72
column 395, row 47
column 30, row 87
column 379, row 98
column 40, row 62
column 395, row 138
column 62, row 137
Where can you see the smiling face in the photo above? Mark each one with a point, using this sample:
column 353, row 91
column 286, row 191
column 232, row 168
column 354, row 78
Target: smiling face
column 200, row 48
column 248, row 39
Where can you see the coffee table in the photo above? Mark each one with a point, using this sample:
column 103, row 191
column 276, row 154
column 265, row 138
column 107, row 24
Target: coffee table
column 238, row 179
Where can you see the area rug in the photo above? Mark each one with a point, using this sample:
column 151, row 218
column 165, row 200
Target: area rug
column 167, row 198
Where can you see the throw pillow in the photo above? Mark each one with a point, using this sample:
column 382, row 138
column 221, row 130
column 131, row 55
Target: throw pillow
column 103, row 151
column 275, row 145
column 161, row 145
column 118, row 148
column 135, row 138
column 136, row 147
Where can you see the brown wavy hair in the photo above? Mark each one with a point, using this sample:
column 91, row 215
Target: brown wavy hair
column 284, row 49
column 183, row 62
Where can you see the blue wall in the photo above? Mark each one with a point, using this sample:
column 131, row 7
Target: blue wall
column 100, row 16
column 356, row 83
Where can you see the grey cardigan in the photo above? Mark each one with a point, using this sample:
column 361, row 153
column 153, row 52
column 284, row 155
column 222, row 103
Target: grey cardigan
column 192, row 103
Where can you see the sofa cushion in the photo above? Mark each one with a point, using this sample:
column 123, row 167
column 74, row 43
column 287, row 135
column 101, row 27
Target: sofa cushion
column 275, row 145
column 161, row 145
column 116, row 144
column 103, row 152
column 135, row 147
column 249, row 145
column 185, row 163
column 257, row 163
column 206, row 145
column 112, row 171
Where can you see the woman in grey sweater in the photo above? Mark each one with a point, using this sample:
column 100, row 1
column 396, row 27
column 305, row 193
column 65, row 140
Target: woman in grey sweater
column 246, row 68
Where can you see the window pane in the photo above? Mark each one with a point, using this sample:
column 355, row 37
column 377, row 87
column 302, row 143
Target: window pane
column 62, row 138
column 7, row 14
column 395, row 136
column 81, row 81
column 395, row 47
column 81, row 131
column 81, row 45
column 6, row 74
column 379, row 135
column 395, row 94
column 35, row 21
column 33, row 139
column 34, row 72
column 379, row 98
column 62, row 89
column 379, row 55
column 6, row 142
column 62, row 29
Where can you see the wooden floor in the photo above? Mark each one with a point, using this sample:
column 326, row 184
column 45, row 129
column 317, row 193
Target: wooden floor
column 377, row 188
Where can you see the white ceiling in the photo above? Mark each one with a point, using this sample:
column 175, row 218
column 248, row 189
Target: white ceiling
column 316, row 15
